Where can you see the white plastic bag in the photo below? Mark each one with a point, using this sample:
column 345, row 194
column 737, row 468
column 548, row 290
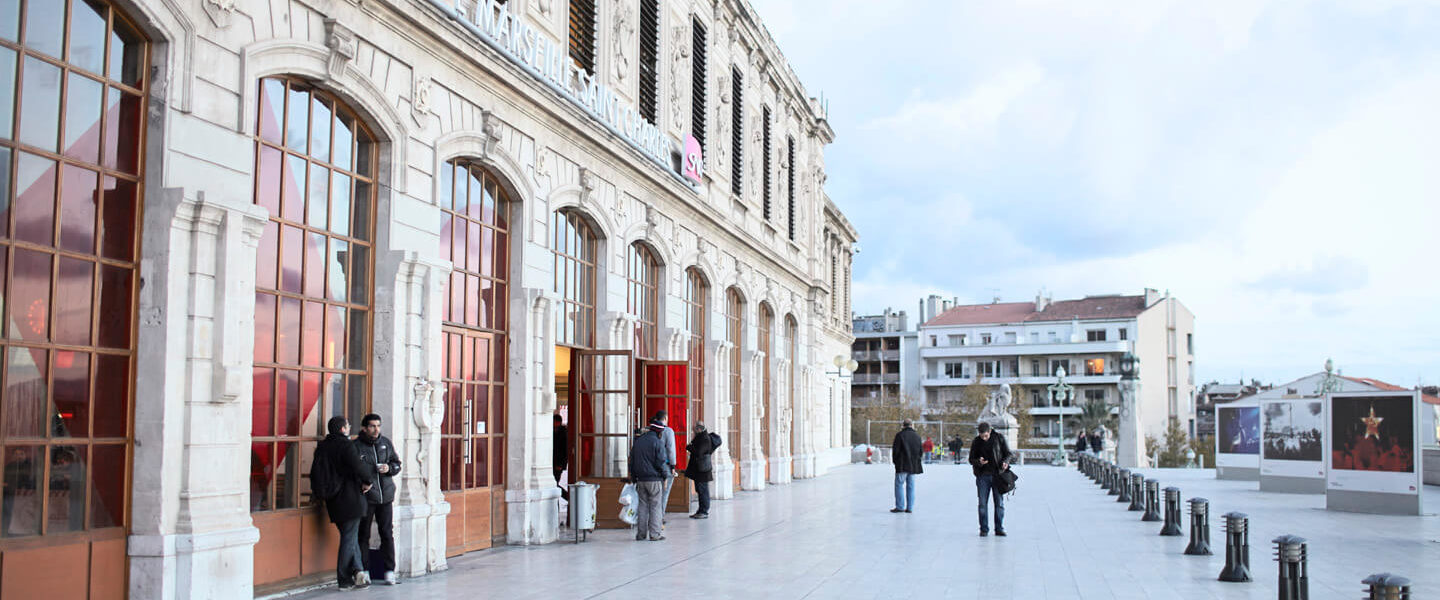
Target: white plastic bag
column 629, row 504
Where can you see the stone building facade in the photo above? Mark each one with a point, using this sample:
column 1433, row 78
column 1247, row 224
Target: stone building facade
column 230, row 221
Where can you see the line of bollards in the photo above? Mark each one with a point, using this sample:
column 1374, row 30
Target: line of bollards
column 1172, row 512
column 1122, row 483
column 1152, row 501
column 1199, row 528
column 1237, row 547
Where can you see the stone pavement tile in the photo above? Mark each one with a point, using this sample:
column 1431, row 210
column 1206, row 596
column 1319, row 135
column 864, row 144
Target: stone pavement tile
column 833, row 537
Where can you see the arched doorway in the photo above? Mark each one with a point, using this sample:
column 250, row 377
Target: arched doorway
column 71, row 130
column 315, row 168
column 475, row 237
column 735, row 335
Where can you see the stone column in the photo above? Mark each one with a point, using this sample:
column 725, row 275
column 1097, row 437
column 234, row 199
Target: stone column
column 718, row 353
column 409, row 397
column 780, row 423
column 191, row 535
column 752, row 409
column 1130, row 444
column 532, row 498
column 807, row 424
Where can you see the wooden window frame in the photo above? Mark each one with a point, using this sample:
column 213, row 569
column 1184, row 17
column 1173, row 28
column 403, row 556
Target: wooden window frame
column 764, row 329
column 696, row 304
column 642, row 298
column 735, row 334
column 575, row 277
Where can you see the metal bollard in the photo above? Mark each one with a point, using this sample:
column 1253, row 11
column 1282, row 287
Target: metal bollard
column 1137, row 492
column 1122, row 483
column 1294, row 578
column 1152, row 501
column 1199, row 528
column 1172, row 512
column 1384, row 586
column 1104, row 476
column 1237, row 548
column 1115, row 481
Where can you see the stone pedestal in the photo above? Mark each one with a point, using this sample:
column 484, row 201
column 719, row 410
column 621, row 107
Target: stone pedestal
column 1130, row 444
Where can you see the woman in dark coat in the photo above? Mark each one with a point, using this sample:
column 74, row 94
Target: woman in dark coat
column 700, row 468
column 1080, row 443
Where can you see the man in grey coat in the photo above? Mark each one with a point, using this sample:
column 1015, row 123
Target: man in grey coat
column 667, row 438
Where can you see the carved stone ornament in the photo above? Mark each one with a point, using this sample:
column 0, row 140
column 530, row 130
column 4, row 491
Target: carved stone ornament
column 490, row 128
column 545, row 6
column 621, row 32
column 420, row 103
column 219, row 11
column 679, row 62
column 588, row 182
column 542, row 167
column 427, row 407
column 341, row 42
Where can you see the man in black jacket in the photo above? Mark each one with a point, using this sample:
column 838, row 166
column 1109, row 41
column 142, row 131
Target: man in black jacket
column 989, row 455
column 905, row 453
column 648, row 470
column 700, row 468
column 383, row 462
column 348, row 505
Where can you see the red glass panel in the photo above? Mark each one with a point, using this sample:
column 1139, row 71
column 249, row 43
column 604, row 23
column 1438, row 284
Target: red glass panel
column 23, row 492
column 262, row 419
column 299, row 400
column 267, row 256
column 472, row 245
column 77, row 210
column 467, row 359
column 267, row 180
column 314, row 273
column 481, row 357
column 83, row 101
column 502, row 255
column 480, row 407
column 292, row 245
column 29, row 301
column 107, row 485
column 112, row 391
column 72, row 393
column 501, row 302
column 292, row 188
column 480, row 460
column 122, row 130
column 261, row 473
column 72, row 301
column 34, row 199
column 454, row 407
column 452, row 356
column 25, row 398
column 312, row 333
column 287, row 333
column 264, row 328
column 116, row 315
column 486, row 303
column 272, row 110
column 472, row 300
column 117, row 220
column 451, row 465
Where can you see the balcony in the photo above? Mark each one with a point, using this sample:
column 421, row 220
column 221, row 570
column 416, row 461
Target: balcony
column 875, row 355
column 875, row 378
column 942, row 381
column 1032, row 349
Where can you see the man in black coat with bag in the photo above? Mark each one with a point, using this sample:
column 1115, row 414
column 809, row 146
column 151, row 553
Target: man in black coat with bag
column 700, row 468
column 340, row 478
column 989, row 457
column 905, row 452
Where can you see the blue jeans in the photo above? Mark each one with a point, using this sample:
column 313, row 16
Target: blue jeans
column 905, row 491
column 985, row 485
column 349, row 560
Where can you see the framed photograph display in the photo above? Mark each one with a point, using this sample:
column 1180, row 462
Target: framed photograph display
column 1372, row 452
column 1237, row 441
column 1292, row 445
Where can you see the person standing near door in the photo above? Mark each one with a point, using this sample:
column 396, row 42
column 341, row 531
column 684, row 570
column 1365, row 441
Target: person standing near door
column 647, row 471
column 667, row 437
column 380, row 457
column 340, row 478
column 560, row 453
column 905, row 450
column 700, row 468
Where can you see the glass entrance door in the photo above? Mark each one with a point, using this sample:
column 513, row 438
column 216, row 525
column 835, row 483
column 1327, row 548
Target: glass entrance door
column 472, row 441
column 603, row 420
column 663, row 386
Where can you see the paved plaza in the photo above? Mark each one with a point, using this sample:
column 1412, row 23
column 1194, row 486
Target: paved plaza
column 833, row 537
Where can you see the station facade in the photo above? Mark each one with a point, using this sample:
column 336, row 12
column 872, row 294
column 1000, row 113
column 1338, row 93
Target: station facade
column 226, row 222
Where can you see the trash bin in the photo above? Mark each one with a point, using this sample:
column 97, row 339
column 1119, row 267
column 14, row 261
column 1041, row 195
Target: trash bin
column 582, row 509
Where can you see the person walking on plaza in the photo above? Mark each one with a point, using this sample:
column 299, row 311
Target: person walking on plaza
column 700, row 468
column 1080, row 443
column 383, row 462
column 990, row 455
column 955, row 447
column 1097, row 441
column 560, row 453
column 340, row 478
column 647, row 471
column 928, row 447
column 667, row 438
column 906, row 450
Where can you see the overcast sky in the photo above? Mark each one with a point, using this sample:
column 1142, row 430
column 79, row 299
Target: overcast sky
column 1275, row 165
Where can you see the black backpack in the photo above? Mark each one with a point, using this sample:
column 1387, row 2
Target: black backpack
column 1005, row 481
column 324, row 482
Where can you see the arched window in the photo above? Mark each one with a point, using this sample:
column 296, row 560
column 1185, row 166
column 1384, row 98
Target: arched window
column 475, row 237
column 71, row 117
column 767, row 396
column 315, row 171
column 735, row 334
column 642, row 298
column 576, row 249
column 697, row 299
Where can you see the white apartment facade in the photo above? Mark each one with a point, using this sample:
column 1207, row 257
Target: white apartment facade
column 886, row 352
column 229, row 221
column 1027, row 343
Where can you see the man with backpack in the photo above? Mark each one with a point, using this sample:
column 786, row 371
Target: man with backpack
column 340, row 478
column 989, row 457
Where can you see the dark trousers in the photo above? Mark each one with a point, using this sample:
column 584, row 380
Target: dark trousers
column 702, row 489
column 384, row 514
column 564, row 491
column 348, row 562
column 985, row 485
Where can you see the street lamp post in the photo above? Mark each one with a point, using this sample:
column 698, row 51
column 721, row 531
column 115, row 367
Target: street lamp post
column 1060, row 392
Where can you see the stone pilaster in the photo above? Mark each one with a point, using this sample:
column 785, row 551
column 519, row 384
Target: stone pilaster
column 191, row 534
column 752, row 409
column 532, row 497
column 718, row 353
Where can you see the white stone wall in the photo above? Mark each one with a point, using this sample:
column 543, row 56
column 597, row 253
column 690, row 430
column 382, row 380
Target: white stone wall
column 433, row 91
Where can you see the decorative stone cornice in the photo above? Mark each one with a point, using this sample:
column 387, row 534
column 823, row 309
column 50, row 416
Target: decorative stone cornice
column 341, row 42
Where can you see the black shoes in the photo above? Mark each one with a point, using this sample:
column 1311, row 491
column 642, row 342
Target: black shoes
column 999, row 533
column 700, row 515
column 897, row 510
column 907, row 511
column 984, row 533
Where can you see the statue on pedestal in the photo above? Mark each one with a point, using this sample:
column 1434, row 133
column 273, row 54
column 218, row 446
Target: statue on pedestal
column 997, row 411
